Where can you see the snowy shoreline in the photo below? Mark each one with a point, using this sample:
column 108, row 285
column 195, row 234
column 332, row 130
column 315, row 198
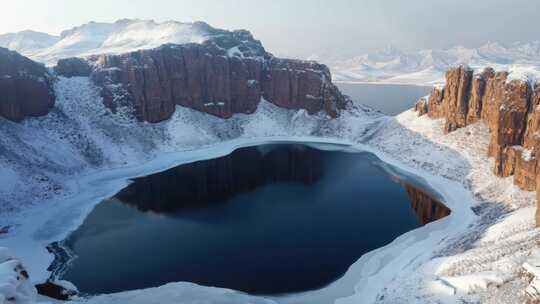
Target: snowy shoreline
column 95, row 187
column 467, row 253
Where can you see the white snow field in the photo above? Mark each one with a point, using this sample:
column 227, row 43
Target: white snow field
column 61, row 165
column 98, row 38
column 428, row 67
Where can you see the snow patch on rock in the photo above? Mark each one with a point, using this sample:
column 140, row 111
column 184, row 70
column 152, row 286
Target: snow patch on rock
column 15, row 286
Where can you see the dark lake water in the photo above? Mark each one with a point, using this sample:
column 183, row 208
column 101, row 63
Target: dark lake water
column 390, row 99
column 265, row 220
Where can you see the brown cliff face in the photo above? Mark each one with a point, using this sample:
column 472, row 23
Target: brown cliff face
column 478, row 89
column 435, row 108
column 456, row 97
column 25, row 87
column 222, row 76
column 509, row 108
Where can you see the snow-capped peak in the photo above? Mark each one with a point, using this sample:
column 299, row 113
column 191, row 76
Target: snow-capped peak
column 122, row 36
column 429, row 66
column 27, row 41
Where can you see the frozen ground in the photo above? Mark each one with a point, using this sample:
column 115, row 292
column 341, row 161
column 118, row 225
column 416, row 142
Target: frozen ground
column 61, row 165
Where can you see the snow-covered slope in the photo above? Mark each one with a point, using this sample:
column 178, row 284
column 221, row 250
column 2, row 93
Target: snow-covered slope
column 27, row 42
column 429, row 66
column 95, row 38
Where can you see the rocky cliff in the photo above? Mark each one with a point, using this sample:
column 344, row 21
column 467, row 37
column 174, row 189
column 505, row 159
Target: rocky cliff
column 224, row 75
column 25, row 87
column 510, row 109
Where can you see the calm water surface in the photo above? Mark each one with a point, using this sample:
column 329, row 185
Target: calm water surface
column 390, row 99
column 265, row 220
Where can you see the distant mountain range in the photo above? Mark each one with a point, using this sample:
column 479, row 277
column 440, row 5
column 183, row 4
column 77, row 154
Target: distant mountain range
column 95, row 38
column 392, row 65
column 389, row 65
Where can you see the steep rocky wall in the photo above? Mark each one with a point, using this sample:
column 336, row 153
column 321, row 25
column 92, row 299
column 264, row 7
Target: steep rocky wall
column 204, row 78
column 221, row 77
column 508, row 107
column 25, row 87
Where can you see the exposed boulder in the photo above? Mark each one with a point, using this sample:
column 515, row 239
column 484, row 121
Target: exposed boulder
column 73, row 67
column 26, row 87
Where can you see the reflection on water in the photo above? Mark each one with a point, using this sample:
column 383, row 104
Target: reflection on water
column 212, row 181
column 427, row 208
column 264, row 220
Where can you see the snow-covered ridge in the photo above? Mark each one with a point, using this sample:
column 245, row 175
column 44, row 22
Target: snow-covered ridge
column 27, row 42
column 122, row 36
column 428, row 67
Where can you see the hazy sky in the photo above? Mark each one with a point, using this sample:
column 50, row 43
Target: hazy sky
column 304, row 27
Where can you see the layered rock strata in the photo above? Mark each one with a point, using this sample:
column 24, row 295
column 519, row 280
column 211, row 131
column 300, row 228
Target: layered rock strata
column 26, row 87
column 508, row 107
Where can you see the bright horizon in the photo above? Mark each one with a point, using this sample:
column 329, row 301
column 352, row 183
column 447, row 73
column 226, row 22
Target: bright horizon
column 304, row 28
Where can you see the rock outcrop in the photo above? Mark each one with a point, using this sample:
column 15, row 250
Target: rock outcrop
column 73, row 67
column 510, row 110
column 456, row 97
column 224, row 75
column 26, row 87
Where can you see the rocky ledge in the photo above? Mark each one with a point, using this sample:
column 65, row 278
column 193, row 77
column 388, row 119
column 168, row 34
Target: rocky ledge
column 227, row 74
column 510, row 108
column 26, row 87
